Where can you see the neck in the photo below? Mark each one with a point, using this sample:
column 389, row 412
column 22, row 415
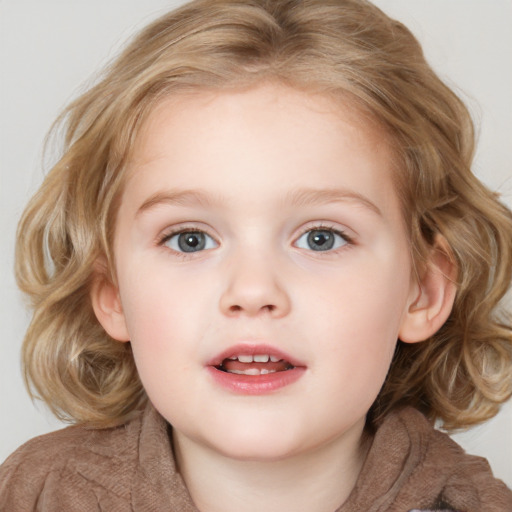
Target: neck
column 318, row 481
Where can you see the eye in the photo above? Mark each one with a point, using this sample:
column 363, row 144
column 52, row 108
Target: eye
column 189, row 241
column 322, row 240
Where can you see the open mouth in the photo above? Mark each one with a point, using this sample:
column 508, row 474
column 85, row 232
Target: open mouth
column 257, row 364
column 249, row 369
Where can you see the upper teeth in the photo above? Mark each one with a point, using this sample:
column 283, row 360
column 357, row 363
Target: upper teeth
column 257, row 358
column 252, row 371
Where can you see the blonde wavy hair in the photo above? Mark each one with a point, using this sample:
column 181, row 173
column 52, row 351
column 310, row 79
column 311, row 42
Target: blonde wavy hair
column 340, row 48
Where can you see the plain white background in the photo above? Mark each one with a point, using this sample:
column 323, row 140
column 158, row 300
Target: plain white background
column 48, row 52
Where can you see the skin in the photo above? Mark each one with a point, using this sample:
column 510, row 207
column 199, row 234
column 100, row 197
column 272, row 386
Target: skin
column 265, row 166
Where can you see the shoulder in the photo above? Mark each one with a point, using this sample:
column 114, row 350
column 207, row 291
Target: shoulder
column 411, row 466
column 69, row 467
column 464, row 481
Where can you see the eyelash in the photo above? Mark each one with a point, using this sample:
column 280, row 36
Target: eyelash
column 162, row 240
column 166, row 236
column 325, row 227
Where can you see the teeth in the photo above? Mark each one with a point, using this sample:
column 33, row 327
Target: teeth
column 252, row 371
column 258, row 358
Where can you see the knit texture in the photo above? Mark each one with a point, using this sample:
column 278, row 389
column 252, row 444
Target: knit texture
column 409, row 466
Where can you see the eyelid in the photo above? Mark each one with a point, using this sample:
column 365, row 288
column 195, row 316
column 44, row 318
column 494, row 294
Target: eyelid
column 171, row 231
column 325, row 226
column 322, row 226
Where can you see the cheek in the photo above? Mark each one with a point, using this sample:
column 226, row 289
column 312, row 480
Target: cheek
column 362, row 318
column 167, row 314
column 163, row 336
column 369, row 298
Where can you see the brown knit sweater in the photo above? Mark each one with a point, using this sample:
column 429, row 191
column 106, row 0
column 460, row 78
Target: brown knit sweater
column 131, row 468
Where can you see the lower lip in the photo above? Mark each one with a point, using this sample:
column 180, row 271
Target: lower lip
column 255, row 384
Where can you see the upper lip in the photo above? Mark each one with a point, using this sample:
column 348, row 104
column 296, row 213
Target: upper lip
column 251, row 349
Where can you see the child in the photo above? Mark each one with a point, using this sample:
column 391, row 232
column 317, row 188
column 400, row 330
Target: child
column 254, row 204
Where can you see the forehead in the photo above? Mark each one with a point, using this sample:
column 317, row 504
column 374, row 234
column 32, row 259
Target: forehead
column 264, row 140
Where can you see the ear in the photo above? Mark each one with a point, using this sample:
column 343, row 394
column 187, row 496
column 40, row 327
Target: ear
column 435, row 295
column 107, row 303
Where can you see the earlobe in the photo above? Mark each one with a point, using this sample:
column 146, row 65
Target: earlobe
column 107, row 305
column 434, row 301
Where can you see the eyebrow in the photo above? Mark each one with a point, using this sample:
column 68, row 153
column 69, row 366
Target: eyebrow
column 298, row 198
column 178, row 197
column 311, row 197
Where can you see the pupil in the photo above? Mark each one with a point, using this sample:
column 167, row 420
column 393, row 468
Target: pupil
column 321, row 240
column 190, row 242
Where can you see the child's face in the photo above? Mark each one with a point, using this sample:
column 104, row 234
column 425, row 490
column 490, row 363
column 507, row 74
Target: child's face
column 292, row 245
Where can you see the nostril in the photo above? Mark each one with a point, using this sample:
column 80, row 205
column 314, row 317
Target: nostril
column 235, row 308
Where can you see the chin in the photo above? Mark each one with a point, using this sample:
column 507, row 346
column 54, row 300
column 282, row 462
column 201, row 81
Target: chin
column 259, row 455
column 261, row 445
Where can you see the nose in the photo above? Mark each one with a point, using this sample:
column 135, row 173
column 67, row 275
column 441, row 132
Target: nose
column 253, row 289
